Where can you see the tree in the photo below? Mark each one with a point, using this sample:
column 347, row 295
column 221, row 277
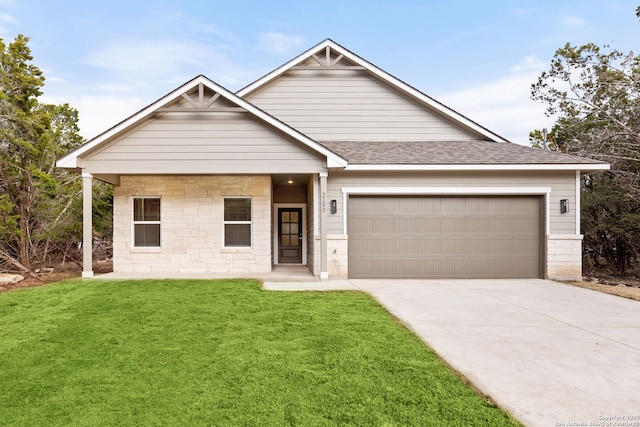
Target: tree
column 594, row 94
column 36, row 198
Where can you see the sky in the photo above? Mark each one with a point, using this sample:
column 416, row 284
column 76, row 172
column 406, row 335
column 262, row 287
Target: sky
column 109, row 59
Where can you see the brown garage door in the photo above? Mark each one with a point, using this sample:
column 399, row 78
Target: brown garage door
column 444, row 237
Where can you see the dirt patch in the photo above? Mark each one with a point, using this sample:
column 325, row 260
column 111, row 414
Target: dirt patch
column 59, row 273
column 623, row 287
column 45, row 279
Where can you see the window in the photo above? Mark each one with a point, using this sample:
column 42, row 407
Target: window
column 237, row 222
column 146, row 222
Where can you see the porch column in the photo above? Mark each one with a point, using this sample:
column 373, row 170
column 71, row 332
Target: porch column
column 324, row 272
column 87, row 225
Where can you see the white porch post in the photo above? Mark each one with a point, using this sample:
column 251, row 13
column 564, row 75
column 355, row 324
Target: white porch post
column 324, row 272
column 87, row 225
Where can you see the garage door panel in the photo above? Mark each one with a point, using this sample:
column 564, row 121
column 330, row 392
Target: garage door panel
column 444, row 237
column 374, row 247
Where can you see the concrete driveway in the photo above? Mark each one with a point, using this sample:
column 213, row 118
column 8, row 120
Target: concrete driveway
column 549, row 353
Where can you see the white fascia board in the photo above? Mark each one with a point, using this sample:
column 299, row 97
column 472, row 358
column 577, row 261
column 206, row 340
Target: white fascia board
column 67, row 162
column 70, row 160
column 493, row 167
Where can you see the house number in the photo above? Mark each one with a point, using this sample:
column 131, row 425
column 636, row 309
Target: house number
column 324, row 202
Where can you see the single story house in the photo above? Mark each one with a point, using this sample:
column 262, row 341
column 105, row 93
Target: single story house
column 331, row 163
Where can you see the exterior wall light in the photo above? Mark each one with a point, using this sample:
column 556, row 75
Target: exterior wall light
column 564, row 206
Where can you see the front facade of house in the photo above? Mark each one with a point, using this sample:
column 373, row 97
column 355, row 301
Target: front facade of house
column 331, row 163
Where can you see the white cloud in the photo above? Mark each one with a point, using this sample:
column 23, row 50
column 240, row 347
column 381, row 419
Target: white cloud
column 530, row 63
column 503, row 106
column 5, row 17
column 279, row 43
column 159, row 57
column 148, row 62
column 572, row 21
column 198, row 27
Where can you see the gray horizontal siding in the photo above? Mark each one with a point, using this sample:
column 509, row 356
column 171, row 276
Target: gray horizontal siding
column 562, row 186
column 204, row 143
column 349, row 105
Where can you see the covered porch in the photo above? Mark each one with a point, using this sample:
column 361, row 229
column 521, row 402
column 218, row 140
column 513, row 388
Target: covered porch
column 288, row 237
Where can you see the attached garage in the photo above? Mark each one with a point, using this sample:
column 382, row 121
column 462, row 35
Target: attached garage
column 445, row 236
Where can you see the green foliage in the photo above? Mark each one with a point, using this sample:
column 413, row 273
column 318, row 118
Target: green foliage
column 218, row 353
column 611, row 222
column 594, row 94
column 37, row 198
column 8, row 220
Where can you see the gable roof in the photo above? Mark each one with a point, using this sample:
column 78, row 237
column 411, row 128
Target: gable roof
column 377, row 72
column 70, row 160
column 494, row 152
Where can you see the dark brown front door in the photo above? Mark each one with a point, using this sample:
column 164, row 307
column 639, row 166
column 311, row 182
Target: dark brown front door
column 289, row 235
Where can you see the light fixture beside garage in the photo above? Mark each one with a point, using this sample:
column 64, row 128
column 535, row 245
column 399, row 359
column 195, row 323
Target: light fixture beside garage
column 564, row 206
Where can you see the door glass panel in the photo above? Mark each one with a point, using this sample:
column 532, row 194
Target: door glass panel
column 289, row 232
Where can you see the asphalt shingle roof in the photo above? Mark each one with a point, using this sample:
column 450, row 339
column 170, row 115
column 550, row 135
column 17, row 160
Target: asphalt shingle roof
column 447, row 152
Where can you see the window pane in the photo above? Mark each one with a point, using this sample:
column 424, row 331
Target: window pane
column 151, row 210
column 146, row 235
column 237, row 235
column 137, row 209
column 146, row 209
column 237, row 209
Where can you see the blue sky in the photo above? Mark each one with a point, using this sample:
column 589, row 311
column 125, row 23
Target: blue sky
column 110, row 58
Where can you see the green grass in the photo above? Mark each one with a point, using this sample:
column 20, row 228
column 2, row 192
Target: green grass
column 219, row 353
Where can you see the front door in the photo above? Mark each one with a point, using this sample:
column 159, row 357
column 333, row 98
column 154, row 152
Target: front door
column 290, row 235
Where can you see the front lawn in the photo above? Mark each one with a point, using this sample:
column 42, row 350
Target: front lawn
column 225, row 352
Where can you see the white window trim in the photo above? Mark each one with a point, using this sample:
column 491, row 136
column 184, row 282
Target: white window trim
column 135, row 248
column 224, row 236
column 447, row 191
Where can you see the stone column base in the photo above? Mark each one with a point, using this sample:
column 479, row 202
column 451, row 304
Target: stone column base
column 564, row 257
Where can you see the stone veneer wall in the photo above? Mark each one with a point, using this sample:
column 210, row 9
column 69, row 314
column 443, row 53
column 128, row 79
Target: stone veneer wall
column 338, row 256
column 191, row 225
column 564, row 257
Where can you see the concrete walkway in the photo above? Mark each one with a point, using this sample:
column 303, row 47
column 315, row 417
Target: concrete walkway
column 549, row 353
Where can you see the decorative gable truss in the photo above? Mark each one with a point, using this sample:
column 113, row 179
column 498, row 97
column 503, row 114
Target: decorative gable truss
column 328, row 60
column 202, row 99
